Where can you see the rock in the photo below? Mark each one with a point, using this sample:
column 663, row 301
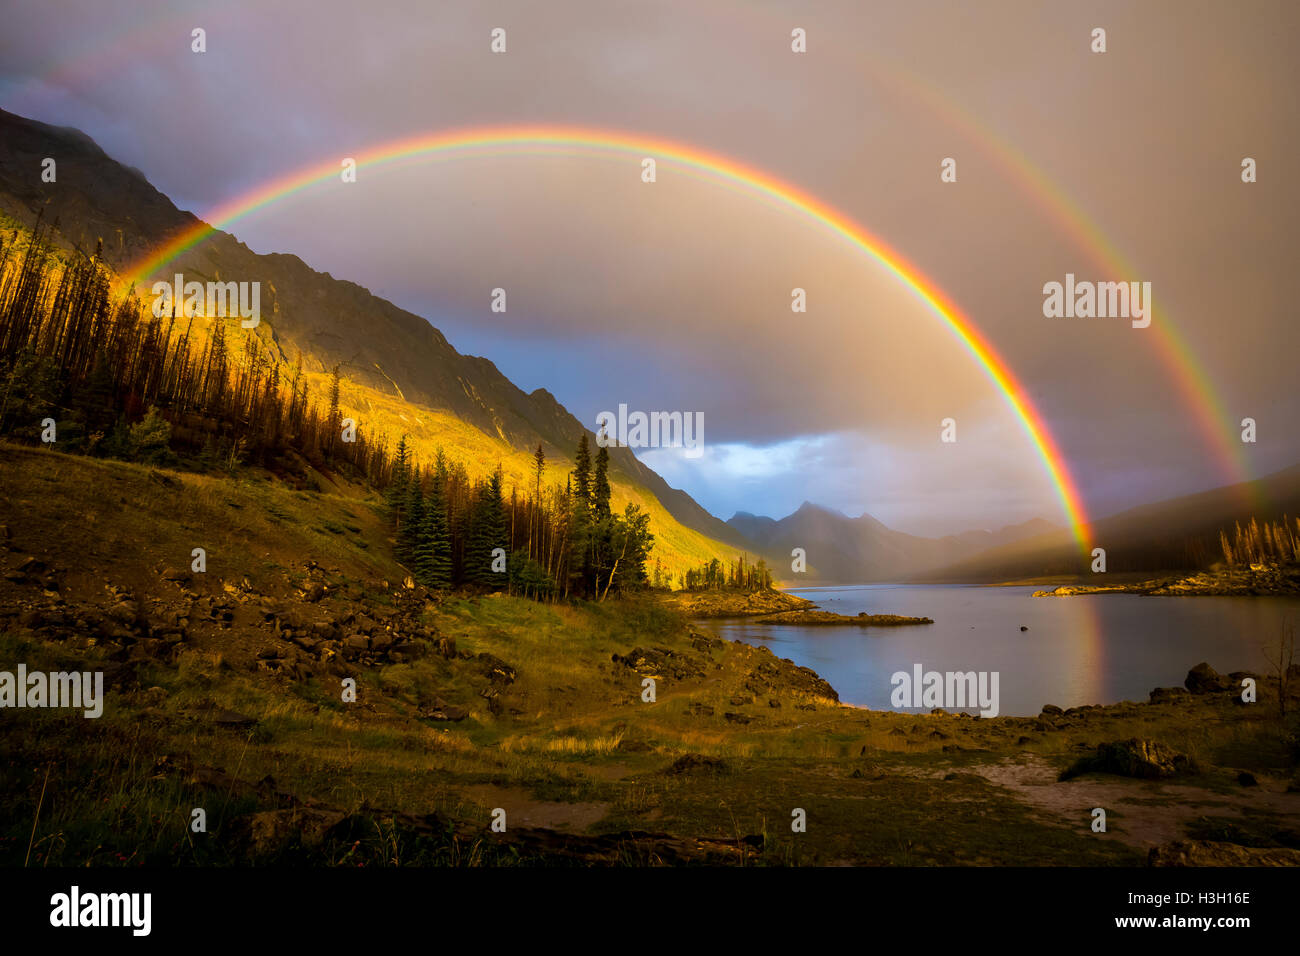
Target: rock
column 1051, row 710
column 660, row 662
column 31, row 618
column 1135, row 757
column 697, row 763
column 738, row 718
column 229, row 718
column 497, row 670
column 1247, row 779
column 267, row 832
column 1204, row 679
column 126, row 613
column 1164, row 694
column 1210, row 853
column 439, row 710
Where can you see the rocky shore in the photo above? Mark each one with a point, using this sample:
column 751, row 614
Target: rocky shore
column 728, row 603
column 1255, row 580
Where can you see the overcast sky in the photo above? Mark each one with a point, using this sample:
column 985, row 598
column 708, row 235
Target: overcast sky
column 676, row 295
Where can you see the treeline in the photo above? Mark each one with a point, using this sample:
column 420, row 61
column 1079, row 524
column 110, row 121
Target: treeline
column 116, row 380
column 739, row 575
column 1272, row 542
column 549, row 542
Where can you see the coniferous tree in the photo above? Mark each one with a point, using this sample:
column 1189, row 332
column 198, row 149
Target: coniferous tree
column 580, row 520
column 487, row 532
column 397, row 485
column 413, row 523
column 600, row 491
column 433, row 559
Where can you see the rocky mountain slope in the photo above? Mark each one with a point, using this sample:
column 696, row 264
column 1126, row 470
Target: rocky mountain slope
column 311, row 314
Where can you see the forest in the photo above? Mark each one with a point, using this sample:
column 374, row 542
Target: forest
column 98, row 375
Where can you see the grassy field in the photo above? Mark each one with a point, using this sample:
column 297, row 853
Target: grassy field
column 226, row 695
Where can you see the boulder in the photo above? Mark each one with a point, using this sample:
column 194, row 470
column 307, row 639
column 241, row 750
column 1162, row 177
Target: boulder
column 1204, row 679
column 496, row 669
column 697, row 763
column 1166, row 694
column 269, row 831
column 1135, row 757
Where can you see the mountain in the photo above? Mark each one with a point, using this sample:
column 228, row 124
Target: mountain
column 1171, row 535
column 842, row 550
column 310, row 316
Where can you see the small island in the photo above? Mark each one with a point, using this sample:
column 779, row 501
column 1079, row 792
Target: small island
column 862, row 619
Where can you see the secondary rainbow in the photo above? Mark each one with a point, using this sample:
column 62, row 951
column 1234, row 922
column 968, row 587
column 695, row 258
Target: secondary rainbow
column 464, row 143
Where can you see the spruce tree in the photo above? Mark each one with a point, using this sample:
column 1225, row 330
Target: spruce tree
column 433, row 555
column 487, row 532
column 408, row 536
column 600, row 491
column 580, row 540
column 395, row 495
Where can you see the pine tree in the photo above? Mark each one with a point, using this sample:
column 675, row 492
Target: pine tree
column 600, row 490
column 408, row 537
column 334, row 421
column 433, row 553
column 487, row 532
column 397, row 486
column 536, row 514
column 580, row 518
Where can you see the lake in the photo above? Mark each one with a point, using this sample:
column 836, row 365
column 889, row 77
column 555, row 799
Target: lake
column 1085, row 649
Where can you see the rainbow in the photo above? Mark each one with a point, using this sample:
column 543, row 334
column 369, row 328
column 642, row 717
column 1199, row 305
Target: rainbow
column 1199, row 394
column 150, row 30
column 487, row 141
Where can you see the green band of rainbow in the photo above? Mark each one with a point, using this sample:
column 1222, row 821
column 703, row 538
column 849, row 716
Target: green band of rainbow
column 515, row 139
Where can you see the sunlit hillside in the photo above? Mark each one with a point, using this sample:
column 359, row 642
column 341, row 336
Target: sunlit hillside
column 386, row 417
column 676, row 546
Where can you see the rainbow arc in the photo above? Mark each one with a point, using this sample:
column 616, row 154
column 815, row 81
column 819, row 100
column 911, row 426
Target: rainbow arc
column 515, row 140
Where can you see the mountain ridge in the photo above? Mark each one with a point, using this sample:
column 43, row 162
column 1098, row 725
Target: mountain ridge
column 310, row 314
column 843, row 549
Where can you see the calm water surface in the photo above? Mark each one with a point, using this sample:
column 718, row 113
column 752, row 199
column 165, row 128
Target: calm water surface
column 1088, row 649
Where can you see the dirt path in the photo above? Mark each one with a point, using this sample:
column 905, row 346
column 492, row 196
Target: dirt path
column 1138, row 812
